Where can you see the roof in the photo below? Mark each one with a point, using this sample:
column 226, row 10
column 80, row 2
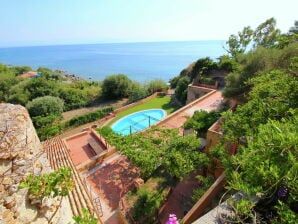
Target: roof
column 58, row 156
column 29, row 74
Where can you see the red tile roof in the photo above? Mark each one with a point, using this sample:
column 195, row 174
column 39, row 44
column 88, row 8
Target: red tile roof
column 29, row 74
column 58, row 156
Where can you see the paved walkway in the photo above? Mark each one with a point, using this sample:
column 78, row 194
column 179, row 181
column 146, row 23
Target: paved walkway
column 211, row 102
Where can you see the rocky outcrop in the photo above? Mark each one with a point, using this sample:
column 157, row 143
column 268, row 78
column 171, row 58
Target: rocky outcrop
column 21, row 154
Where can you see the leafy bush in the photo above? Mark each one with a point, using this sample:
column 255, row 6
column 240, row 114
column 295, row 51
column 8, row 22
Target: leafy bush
column 156, row 85
column 88, row 117
column 138, row 92
column 49, row 131
column 181, row 89
column 205, row 184
column 146, row 206
column 116, row 86
column 46, row 105
column 41, row 121
column 206, row 80
column 201, row 121
column 86, row 219
column 57, row 183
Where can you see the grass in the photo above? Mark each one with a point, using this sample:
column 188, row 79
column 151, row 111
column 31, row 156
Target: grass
column 162, row 102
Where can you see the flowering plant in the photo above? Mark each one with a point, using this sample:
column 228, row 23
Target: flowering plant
column 172, row 219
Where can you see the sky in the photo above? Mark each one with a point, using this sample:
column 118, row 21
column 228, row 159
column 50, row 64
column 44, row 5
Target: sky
column 55, row 22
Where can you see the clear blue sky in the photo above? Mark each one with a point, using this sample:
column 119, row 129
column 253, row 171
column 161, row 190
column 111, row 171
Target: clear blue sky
column 46, row 22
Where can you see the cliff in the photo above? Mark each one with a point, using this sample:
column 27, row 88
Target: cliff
column 21, row 154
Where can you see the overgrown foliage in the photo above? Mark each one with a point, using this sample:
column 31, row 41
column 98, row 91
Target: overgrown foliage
column 201, row 121
column 148, row 150
column 265, row 167
column 87, row 218
column 205, row 184
column 57, row 183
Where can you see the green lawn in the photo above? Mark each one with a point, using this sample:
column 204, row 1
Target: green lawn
column 162, row 102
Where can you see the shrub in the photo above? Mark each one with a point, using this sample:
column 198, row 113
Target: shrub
column 86, row 219
column 206, row 80
column 57, row 183
column 137, row 93
column 49, row 131
column 156, row 85
column 181, row 89
column 88, row 117
column 41, row 121
column 146, row 205
column 46, row 105
column 116, row 86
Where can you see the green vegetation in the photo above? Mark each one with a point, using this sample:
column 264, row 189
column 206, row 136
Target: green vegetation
column 57, row 183
column 48, row 126
column 264, row 127
column 144, row 203
column 178, row 155
column 156, row 85
column 88, row 117
column 45, row 105
column 205, row 184
column 86, row 219
column 163, row 102
column 116, row 86
column 201, row 121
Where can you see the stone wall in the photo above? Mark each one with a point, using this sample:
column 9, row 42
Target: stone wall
column 195, row 92
column 21, row 154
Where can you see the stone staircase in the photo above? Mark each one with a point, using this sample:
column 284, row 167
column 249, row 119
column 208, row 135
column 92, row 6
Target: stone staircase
column 58, row 156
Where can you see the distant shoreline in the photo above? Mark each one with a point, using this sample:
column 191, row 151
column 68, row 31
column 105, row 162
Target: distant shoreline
column 106, row 43
column 140, row 61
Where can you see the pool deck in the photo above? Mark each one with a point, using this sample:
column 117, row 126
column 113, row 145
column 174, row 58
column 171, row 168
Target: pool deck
column 209, row 102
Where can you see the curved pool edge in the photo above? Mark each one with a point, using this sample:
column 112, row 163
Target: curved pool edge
column 164, row 116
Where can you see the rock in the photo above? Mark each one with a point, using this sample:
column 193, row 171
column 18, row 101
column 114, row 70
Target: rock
column 7, row 181
column 9, row 202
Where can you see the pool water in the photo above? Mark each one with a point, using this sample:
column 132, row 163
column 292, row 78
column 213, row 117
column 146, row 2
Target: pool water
column 138, row 121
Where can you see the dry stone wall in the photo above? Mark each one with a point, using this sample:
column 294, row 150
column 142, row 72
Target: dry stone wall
column 21, row 154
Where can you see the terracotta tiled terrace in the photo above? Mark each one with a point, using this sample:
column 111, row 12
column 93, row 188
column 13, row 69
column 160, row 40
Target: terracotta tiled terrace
column 114, row 180
column 84, row 146
column 209, row 102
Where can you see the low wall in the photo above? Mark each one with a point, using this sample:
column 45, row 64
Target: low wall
column 194, row 92
column 205, row 201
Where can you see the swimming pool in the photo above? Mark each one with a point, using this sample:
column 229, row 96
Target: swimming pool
column 138, row 121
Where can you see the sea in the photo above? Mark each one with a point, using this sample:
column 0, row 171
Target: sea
column 141, row 62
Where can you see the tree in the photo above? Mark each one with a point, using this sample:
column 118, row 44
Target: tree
column 137, row 92
column 156, row 85
column 44, row 106
column 201, row 121
column 116, row 86
column 182, row 156
column 18, row 70
column 265, row 168
column 294, row 29
column 266, row 35
column 73, row 98
column 181, row 89
column 237, row 44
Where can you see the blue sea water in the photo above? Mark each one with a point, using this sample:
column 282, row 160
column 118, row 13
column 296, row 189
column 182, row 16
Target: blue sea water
column 139, row 61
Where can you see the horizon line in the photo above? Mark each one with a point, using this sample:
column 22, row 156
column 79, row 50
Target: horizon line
column 120, row 42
